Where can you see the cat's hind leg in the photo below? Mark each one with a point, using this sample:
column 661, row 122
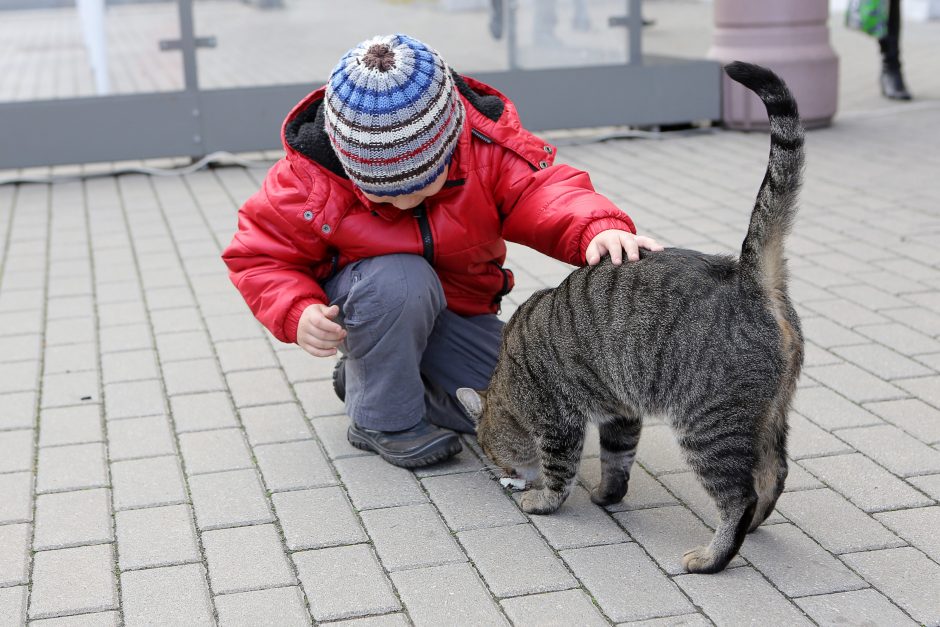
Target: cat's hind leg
column 619, row 438
column 560, row 449
column 719, row 448
column 771, row 472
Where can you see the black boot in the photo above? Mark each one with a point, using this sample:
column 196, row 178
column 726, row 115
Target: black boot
column 422, row 445
column 892, row 81
column 339, row 378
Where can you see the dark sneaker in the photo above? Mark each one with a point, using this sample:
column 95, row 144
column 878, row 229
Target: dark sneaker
column 422, row 445
column 339, row 378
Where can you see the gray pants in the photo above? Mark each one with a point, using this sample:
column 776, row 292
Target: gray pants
column 406, row 352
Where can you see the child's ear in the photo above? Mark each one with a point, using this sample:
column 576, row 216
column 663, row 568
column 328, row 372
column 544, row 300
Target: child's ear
column 472, row 402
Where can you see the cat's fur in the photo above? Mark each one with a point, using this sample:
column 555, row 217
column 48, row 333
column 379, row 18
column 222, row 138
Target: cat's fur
column 710, row 342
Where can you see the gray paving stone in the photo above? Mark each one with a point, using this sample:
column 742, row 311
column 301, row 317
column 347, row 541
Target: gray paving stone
column 135, row 438
column 740, row 596
column 70, row 331
column 175, row 595
column 799, row 479
column 129, row 366
column 125, row 338
column 894, row 449
column 929, row 484
column 13, row 606
column 685, row 620
column 578, row 522
column 269, row 424
column 831, row 411
column 198, row 412
column 666, row 533
column 313, row 519
column 73, row 581
column 912, row 415
column 918, row 318
column 658, row 451
column 116, row 314
column 866, row 484
column 71, row 467
column 301, row 366
column 808, row 440
column 133, row 399
column 181, row 346
column 567, row 607
column 14, row 554
column 906, row 576
column 437, row 594
column 845, row 312
column 70, row 425
column 17, row 502
column 917, row 526
column 249, row 354
column 372, row 482
column 795, row 564
column 293, row 466
column 19, row 410
column 233, row 326
column 332, row 433
column 857, row 607
column 188, row 377
column 643, row 490
column 318, row 398
column 176, row 320
column 277, row 607
column 411, row 537
column 926, row 388
column 828, row 334
column 246, row 558
column 607, row 571
column 97, row 619
column 343, row 582
column 259, row 387
column 21, row 376
column 147, row 482
column 70, row 358
column 24, row 347
column 69, row 388
column 472, row 501
column 901, row 338
column 882, row 361
column 214, row 451
column 814, row 510
column 385, row 620
column 869, row 297
column 68, row 519
column 229, row 499
column 156, row 536
column 515, row 560
column 855, row 383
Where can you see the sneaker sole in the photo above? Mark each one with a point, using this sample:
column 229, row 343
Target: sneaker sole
column 414, row 459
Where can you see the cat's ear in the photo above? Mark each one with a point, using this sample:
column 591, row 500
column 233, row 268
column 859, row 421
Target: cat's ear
column 472, row 402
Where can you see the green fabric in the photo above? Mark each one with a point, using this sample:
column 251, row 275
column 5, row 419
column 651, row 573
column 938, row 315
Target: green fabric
column 868, row 16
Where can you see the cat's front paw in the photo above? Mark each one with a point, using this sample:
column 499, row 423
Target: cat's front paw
column 608, row 495
column 541, row 501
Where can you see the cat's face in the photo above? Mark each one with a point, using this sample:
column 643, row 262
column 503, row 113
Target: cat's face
column 501, row 436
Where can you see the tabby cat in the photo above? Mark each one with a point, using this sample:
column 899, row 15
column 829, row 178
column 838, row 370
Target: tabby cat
column 711, row 343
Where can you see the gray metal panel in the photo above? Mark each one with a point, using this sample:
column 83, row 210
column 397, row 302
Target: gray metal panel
column 109, row 128
column 661, row 91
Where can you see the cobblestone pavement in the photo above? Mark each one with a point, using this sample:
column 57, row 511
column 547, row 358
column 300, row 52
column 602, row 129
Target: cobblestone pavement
column 164, row 461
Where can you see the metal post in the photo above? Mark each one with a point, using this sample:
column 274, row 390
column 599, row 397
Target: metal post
column 188, row 45
column 635, row 32
column 511, row 40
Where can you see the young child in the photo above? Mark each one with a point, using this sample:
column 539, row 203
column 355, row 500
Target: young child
column 382, row 233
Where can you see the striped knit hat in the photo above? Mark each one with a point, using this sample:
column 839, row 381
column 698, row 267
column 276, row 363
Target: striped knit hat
column 393, row 115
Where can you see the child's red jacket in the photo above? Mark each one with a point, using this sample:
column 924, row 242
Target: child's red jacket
column 308, row 220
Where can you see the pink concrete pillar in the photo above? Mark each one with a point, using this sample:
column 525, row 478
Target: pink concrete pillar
column 791, row 37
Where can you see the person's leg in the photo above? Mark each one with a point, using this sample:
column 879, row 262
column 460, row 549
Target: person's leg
column 892, row 81
column 389, row 307
column 461, row 352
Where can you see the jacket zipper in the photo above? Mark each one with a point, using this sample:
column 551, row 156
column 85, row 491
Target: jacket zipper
column 421, row 215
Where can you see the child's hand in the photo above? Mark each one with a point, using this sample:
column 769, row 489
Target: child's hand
column 615, row 241
column 317, row 333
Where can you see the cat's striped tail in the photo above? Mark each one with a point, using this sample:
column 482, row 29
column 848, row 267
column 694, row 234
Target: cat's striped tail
column 762, row 261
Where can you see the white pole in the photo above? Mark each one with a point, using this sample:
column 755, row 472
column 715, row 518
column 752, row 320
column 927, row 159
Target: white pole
column 91, row 15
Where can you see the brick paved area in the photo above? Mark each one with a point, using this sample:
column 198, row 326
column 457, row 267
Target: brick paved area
column 164, row 461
